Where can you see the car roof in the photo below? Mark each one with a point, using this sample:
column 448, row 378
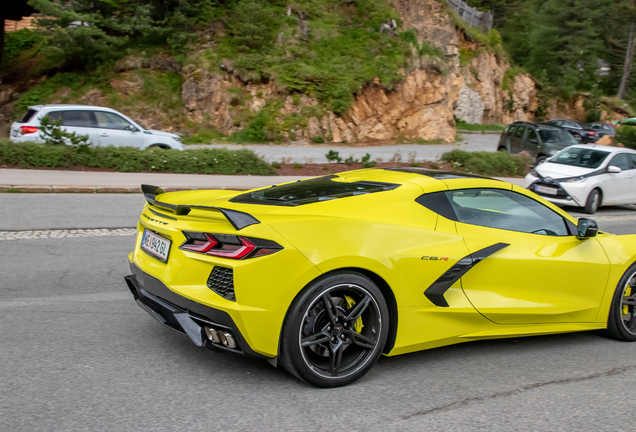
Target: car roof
column 69, row 107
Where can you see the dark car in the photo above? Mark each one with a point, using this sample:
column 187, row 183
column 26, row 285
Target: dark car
column 602, row 129
column 580, row 132
column 539, row 140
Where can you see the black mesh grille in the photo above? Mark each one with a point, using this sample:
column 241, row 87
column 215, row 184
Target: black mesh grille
column 221, row 281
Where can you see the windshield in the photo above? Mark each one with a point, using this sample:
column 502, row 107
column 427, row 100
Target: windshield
column 580, row 157
column 556, row 136
column 309, row 191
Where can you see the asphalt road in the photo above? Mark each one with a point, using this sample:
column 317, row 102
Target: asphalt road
column 77, row 354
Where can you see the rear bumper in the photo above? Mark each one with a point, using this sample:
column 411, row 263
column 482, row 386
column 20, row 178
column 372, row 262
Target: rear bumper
column 182, row 314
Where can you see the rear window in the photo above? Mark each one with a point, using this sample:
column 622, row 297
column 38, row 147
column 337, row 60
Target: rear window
column 28, row 116
column 310, row 191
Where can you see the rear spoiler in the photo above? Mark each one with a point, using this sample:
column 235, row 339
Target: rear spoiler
column 238, row 219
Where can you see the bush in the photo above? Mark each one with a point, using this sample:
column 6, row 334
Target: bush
column 478, row 127
column 129, row 159
column 626, row 135
column 486, row 163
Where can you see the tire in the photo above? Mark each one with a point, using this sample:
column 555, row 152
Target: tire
column 502, row 149
column 621, row 322
column 593, row 202
column 343, row 313
column 158, row 146
column 540, row 160
column 578, row 138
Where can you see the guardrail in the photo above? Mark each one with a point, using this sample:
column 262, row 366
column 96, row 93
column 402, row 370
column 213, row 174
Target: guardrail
column 472, row 16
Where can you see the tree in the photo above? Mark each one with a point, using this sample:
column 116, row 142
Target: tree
column 14, row 10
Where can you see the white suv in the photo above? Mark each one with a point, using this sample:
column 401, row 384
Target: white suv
column 104, row 127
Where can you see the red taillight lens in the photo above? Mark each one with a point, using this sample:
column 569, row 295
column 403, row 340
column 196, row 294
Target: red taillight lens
column 24, row 130
column 228, row 246
column 591, row 133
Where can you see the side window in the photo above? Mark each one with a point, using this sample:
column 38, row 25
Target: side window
column 108, row 120
column 78, row 118
column 509, row 130
column 621, row 160
column 503, row 209
column 556, row 122
column 55, row 116
column 520, row 131
column 633, row 158
column 532, row 135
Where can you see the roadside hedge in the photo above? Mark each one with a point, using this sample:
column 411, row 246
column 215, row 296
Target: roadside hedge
column 499, row 164
column 130, row 159
column 626, row 135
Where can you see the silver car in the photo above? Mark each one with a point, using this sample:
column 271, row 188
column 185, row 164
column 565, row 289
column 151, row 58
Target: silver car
column 103, row 126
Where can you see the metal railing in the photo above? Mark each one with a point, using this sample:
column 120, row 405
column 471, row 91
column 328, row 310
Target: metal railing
column 482, row 20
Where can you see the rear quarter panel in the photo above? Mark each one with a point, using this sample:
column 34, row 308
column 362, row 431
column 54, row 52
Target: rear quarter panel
column 621, row 252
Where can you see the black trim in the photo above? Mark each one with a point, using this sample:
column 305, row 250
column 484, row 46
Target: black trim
column 161, row 214
column 439, row 203
column 238, row 219
column 440, row 175
column 435, row 292
column 182, row 314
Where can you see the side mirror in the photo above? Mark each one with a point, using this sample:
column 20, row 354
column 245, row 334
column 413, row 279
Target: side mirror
column 586, row 228
column 614, row 169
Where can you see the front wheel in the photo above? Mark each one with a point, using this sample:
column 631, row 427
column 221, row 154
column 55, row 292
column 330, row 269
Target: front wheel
column 335, row 330
column 621, row 323
column 593, row 202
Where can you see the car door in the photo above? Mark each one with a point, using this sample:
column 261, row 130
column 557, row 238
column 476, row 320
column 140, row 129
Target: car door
column 516, row 140
column 531, row 142
column 533, row 269
column 618, row 187
column 117, row 131
column 80, row 122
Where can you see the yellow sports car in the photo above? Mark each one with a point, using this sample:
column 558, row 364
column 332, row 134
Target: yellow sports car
column 324, row 275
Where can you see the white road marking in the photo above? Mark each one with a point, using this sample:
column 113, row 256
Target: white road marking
column 66, row 233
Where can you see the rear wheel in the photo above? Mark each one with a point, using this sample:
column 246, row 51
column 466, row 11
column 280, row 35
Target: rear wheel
column 335, row 330
column 621, row 323
column 593, row 202
column 578, row 138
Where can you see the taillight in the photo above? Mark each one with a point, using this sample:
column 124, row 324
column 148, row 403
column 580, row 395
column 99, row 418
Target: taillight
column 591, row 133
column 228, row 246
column 24, row 130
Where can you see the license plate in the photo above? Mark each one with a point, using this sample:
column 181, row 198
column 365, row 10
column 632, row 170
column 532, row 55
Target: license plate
column 14, row 133
column 155, row 245
column 546, row 190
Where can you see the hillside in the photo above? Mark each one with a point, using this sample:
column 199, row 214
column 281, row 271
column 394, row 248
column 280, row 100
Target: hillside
column 321, row 70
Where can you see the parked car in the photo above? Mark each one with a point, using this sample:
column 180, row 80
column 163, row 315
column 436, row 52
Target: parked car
column 587, row 176
column 580, row 132
column 104, row 126
column 602, row 129
column 539, row 140
column 324, row 275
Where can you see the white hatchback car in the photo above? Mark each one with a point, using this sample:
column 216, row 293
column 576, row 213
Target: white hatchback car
column 587, row 176
column 104, row 127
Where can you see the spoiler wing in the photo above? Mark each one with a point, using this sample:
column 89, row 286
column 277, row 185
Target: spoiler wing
column 238, row 219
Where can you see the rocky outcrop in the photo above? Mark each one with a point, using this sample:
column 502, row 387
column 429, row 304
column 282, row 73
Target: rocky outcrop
column 469, row 106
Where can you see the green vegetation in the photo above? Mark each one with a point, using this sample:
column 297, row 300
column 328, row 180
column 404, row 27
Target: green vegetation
column 462, row 125
column 53, row 134
column 433, row 166
column 205, row 135
column 626, row 135
column 17, row 44
column 333, row 155
column 487, row 163
column 129, row 159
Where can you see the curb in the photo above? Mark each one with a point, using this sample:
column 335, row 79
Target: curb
column 98, row 189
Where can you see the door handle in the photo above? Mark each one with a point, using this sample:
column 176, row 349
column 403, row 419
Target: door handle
column 103, row 134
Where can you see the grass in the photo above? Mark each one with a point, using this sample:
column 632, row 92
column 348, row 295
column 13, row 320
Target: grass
column 129, row 159
column 462, row 125
column 487, row 163
column 205, row 135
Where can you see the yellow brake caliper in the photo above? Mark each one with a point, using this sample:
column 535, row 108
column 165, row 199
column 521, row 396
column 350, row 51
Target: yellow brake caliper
column 627, row 293
column 350, row 303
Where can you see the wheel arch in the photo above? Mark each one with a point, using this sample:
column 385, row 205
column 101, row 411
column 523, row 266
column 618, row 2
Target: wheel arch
column 159, row 145
column 384, row 287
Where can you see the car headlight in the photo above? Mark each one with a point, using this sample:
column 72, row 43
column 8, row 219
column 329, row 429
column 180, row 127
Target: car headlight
column 176, row 138
column 578, row 179
column 534, row 173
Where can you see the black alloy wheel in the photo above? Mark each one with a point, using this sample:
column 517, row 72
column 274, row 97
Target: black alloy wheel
column 621, row 323
column 578, row 138
column 335, row 330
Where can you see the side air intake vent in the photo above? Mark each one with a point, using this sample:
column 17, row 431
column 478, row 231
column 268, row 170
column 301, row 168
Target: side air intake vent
column 221, row 281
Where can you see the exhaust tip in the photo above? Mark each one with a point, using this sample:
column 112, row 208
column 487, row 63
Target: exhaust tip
column 221, row 337
column 227, row 339
column 212, row 335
